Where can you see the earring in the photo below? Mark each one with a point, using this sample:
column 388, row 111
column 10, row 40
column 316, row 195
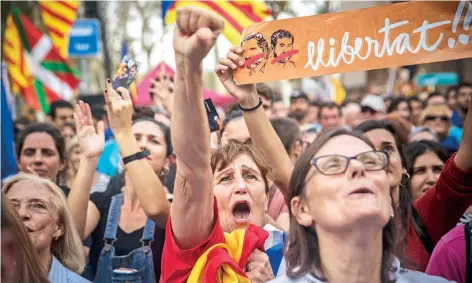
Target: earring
column 55, row 238
column 164, row 171
column 392, row 215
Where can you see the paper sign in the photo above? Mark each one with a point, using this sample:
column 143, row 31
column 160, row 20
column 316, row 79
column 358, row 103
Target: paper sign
column 380, row 37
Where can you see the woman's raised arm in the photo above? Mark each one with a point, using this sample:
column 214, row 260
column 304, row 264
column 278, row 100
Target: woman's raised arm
column 192, row 207
column 91, row 142
column 262, row 133
column 146, row 183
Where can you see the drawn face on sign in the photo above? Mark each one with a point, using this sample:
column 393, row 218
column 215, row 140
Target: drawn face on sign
column 282, row 42
column 255, row 50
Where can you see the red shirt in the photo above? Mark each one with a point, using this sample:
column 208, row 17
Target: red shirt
column 177, row 264
column 440, row 208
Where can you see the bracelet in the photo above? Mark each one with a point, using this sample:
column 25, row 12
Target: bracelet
column 253, row 108
column 136, row 156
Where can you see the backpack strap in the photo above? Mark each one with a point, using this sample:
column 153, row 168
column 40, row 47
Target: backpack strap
column 468, row 251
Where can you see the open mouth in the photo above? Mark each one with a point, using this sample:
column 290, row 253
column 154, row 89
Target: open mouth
column 29, row 230
column 241, row 211
column 362, row 191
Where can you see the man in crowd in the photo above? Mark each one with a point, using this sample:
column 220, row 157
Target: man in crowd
column 61, row 112
column 299, row 106
column 234, row 127
column 278, row 107
column 435, row 98
column 351, row 113
column 372, row 108
column 464, row 95
column 330, row 116
column 266, row 94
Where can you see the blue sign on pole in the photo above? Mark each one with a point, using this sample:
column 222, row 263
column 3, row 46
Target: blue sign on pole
column 84, row 38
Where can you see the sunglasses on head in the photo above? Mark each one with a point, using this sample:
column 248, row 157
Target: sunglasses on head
column 434, row 118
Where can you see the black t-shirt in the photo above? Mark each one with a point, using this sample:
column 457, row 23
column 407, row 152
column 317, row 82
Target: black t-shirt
column 125, row 242
column 66, row 190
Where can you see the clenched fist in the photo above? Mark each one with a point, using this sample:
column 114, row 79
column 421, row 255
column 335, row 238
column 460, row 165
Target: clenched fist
column 258, row 267
column 196, row 32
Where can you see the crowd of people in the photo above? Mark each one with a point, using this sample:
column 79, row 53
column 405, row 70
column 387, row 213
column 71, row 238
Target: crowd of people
column 377, row 190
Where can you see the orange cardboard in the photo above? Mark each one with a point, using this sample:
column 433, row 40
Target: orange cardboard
column 373, row 38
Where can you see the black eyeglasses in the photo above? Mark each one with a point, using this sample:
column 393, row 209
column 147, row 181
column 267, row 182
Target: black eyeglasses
column 337, row 164
column 434, row 118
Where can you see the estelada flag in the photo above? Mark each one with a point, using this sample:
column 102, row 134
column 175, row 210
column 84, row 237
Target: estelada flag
column 237, row 14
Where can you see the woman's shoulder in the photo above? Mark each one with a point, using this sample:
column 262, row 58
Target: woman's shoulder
column 410, row 276
column 307, row 278
column 60, row 273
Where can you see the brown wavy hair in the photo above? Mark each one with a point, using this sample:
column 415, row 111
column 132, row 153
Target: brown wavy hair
column 223, row 156
column 29, row 265
column 302, row 251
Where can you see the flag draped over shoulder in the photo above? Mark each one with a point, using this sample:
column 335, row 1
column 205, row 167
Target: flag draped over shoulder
column 58, row 17
column 237, row 14
column 225, row 262
column 35, row 66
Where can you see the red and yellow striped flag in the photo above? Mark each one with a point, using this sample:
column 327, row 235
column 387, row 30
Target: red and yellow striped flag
column 58, row 16
column 15, row 59
column 237, row 14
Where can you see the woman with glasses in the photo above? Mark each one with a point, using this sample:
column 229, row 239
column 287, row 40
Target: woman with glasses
column 43, row 209
column 342, row 219
column 438, row 117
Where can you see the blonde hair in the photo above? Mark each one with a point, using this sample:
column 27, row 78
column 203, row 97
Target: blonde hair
column 29, row 266
column 438, row 109
column 67, row 248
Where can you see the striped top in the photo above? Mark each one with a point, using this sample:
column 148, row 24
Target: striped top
column 59, row 274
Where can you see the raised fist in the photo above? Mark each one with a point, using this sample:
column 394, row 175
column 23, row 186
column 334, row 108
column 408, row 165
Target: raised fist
column 196, row 32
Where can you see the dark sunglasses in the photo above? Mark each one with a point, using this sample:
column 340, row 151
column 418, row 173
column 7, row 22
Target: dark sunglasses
column 367, row 109
column 435, row 118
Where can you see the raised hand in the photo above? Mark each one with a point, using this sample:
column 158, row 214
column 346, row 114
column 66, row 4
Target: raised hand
column 258, row 267
column 196, row 32
column 119, row 109
column 91, row 141
column 245, row 94
column 162, row 89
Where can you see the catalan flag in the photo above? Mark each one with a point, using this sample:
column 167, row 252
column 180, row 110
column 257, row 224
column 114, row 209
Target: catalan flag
column 46, row 74
column 58, row 17
column 13, row 56
column 237, row 14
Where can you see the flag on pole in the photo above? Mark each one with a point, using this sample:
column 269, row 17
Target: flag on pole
column 237, row 14
column 338, row 93
column 14, row 57
column 8, row 142
column 58, row 17
column 48, row 75
column 132, row 86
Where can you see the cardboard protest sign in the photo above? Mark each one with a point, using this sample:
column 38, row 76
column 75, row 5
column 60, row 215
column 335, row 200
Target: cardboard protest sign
column 380, row 37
